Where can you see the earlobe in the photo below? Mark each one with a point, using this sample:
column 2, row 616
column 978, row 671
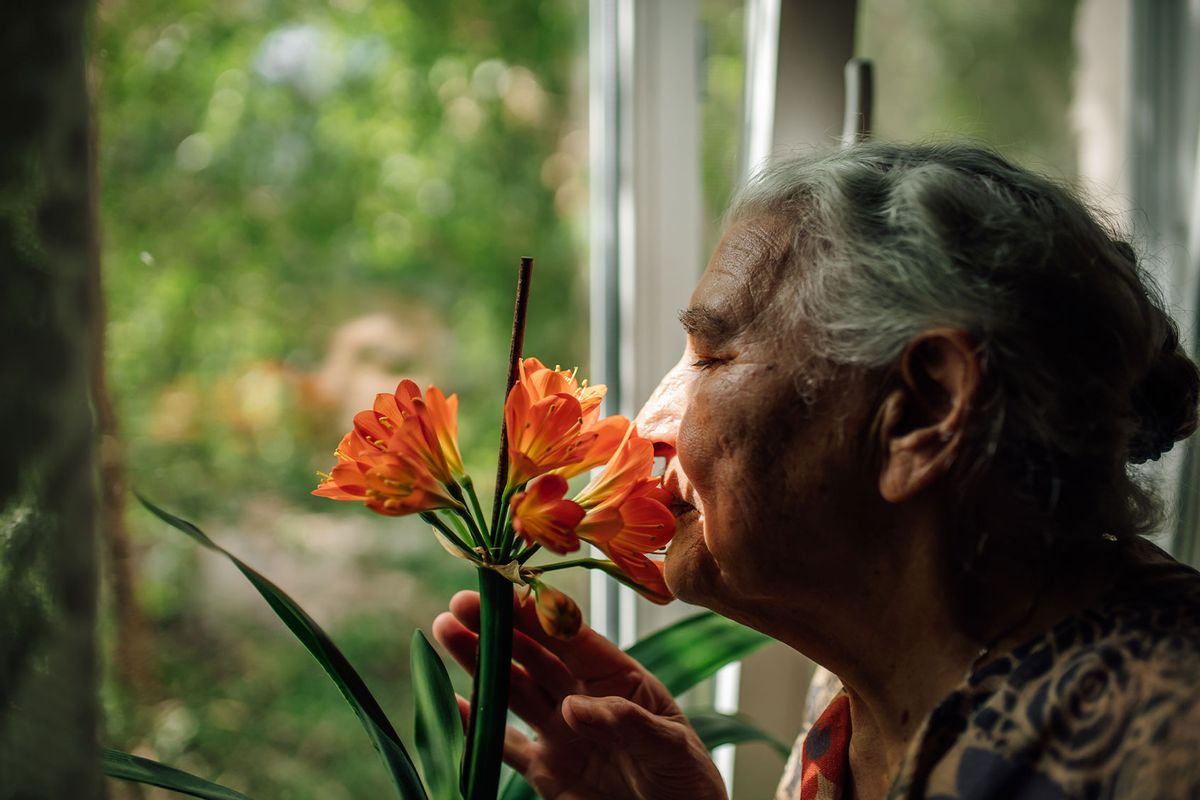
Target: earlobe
column 921, row 420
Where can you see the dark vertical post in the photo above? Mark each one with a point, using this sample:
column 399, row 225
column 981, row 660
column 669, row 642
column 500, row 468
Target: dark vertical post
column 48, row 707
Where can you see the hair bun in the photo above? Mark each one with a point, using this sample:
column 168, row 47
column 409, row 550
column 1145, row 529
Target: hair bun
column 1165, row 403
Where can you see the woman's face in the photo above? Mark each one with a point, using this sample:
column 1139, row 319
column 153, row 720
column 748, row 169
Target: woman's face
column 772, row 480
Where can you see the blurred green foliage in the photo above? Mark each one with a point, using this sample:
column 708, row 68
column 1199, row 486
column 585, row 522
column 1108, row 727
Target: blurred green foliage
column 272, row 172
column 1000, row 73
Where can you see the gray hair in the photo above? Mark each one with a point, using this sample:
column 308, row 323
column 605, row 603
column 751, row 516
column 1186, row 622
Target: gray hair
column 1083, row 370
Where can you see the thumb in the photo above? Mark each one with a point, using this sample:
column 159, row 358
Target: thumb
column 615, row 720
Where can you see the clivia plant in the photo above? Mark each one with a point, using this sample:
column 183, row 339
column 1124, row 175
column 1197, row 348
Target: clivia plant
column 401, row 458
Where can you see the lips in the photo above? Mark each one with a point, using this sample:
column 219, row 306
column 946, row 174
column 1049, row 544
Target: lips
column 676, row 483
column 680, row 507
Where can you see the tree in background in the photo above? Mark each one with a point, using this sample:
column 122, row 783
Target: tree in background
column 48, row 709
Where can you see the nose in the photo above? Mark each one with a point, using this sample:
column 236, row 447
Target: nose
column 659, row 418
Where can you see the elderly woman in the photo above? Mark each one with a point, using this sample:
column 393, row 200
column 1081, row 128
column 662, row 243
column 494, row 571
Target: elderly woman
column 915, row 380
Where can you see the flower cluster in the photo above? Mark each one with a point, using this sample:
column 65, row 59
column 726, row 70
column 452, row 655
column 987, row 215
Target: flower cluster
column 623, row 512
column 402, row 458
column 402, row 455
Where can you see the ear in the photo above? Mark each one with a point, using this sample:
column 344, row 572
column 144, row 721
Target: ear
column 921, row 421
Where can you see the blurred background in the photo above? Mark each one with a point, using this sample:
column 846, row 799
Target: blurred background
column 303, row 201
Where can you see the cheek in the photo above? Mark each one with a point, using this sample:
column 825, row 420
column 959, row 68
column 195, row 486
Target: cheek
column 726, row 446
column 727, row 426
column 702, row 443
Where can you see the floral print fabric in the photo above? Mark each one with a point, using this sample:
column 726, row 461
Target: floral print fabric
column 1105, row 705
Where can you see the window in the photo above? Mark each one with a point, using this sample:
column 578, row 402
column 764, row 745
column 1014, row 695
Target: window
column 301, row 203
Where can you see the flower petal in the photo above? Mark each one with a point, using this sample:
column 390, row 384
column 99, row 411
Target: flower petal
column 600, row 526
column 632, row 463
column 541, row 515
column 610, row 432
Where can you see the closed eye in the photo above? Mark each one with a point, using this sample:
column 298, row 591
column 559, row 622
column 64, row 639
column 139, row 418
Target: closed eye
column 705, row 363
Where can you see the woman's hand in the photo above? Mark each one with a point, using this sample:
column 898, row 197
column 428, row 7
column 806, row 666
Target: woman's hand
column 606, row 728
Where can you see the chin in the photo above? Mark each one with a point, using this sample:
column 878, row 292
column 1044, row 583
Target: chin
column 689, row 569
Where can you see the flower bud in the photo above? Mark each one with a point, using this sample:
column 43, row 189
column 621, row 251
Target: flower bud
column 558, row 614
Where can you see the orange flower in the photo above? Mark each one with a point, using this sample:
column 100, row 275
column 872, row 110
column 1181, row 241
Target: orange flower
column 389, row 483
column 627, row 471
column 542, row 516
column 432, row 440
column 610, row 432
column 543, row 381
column 629, row 515
column 558, row 614
column 647, row 573
column 401, row 456
column 646, row 526
column 542, row 434
column 553, row 424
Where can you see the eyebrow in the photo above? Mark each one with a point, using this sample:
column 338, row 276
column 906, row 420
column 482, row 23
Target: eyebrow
column 705, row 323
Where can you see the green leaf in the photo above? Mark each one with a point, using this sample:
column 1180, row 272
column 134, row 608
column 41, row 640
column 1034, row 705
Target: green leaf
column 380, row 730
column 143, row 770
column 716, row 729
column 694, row 649
column 440, row 739
column 516, row 788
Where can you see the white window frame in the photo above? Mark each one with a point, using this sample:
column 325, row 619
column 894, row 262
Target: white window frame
column 646, row 214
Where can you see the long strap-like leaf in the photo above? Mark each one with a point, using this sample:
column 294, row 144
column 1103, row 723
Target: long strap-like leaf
column 693, row 649
column 380, row 730
column 716, row 729
column 440, row 739
column 143, row 770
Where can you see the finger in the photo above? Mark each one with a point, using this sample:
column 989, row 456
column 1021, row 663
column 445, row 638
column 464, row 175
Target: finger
column 587, row 655
column 546, row 668
column 613, row 720
column 461, row 643
column 464, row 710
column 518, row 748
column 528, row 697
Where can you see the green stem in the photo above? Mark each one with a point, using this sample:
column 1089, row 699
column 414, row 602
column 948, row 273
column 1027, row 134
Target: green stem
column 478, row 533
column 503, row 524
column 433, row 520
column 474, row 498
column 455, row 519
column 529, row 553
column 489, row 697
column 589, row 563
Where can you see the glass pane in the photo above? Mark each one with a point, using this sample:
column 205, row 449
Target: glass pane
column 302, row 203
column 723, row 75
column 998, row 72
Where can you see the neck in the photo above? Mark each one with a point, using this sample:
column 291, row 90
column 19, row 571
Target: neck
column 895, row 633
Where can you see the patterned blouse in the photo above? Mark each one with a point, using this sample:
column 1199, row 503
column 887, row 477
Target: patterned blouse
column 1106, row 705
